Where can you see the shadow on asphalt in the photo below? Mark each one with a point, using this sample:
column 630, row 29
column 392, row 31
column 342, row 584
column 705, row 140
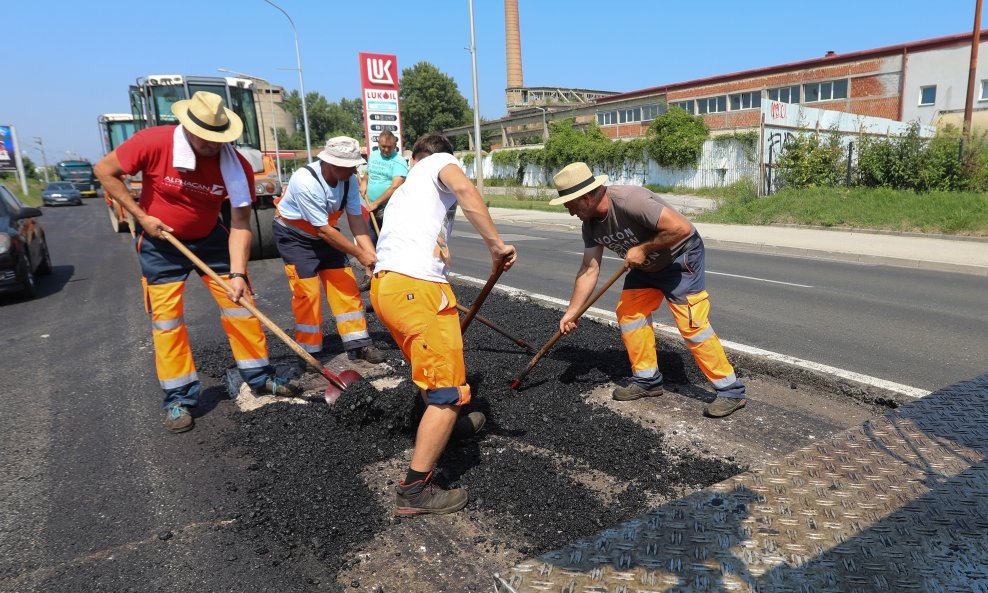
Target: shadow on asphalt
column 47, row 286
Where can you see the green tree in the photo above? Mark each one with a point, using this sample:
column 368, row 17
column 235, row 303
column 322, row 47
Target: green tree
column 430, row 102
column 675, row 138
column 326, row 119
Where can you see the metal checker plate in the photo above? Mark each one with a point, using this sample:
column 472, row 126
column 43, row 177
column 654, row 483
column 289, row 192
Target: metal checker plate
column 899, row 504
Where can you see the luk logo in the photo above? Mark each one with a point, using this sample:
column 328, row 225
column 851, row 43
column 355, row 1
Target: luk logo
column 379, row 71
column 217, row 190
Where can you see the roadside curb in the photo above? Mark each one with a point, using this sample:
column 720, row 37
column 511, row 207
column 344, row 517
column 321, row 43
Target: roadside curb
column 850, row 257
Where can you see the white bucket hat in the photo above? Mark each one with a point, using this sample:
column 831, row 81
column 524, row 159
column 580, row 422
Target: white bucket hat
column 205, row 116
column 342, row 151
column 575, row 180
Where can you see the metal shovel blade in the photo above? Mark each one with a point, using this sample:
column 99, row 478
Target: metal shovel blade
column 334, row 391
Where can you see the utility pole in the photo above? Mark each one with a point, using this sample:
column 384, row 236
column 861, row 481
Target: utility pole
column 479, row 157
column 301, row 85
column 44, row 157
column 972, row 74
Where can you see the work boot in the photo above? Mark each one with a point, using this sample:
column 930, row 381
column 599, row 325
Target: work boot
column 281, row 387
column 425, row 497
column 178, row 419
column 367, row 353
column 633, row 391
column 724, row 406
column 468, row 426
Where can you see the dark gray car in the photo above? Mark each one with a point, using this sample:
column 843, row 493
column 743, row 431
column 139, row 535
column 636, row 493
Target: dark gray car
column 61, row 193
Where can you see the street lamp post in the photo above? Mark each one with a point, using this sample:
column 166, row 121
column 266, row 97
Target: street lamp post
column 44, row 157
column 479, row 158
column 274, row 128
column 301, row 85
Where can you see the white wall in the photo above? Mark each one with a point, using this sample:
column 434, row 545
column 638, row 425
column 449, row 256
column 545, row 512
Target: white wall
column 947, row 68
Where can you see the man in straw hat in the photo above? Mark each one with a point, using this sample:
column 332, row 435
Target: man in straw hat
column 188, row 171
column 315, row 251
column 665, row 254
column 413, row 299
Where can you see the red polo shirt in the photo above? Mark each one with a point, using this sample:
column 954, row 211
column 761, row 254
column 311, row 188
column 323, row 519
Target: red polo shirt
column 187, row 201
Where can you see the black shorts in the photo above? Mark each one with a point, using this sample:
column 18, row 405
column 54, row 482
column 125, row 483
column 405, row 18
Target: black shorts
column 307, row 254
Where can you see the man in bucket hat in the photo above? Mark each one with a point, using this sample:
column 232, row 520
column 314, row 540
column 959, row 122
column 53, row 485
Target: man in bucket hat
column 315, row 251
column 665, row 254
column 188, row 171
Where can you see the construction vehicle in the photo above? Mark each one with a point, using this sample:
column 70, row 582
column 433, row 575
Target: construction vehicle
column 80, row 174
column 151, row 100
column 114, row 129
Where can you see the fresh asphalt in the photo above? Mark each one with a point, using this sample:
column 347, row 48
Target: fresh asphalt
column 921, row 328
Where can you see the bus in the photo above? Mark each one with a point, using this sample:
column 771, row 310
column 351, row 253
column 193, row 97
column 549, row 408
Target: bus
column 79, row 174
column 151, row 100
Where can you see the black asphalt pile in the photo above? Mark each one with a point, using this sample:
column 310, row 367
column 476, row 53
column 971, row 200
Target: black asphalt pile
column 303, row 495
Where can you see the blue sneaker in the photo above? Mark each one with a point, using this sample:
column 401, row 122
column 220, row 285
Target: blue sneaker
column 178, row 419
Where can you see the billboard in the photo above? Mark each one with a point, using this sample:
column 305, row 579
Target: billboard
column 379, row 89
column 8, row 152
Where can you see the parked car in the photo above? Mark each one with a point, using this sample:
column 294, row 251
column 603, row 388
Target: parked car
column 23, row 248
column 59, row 193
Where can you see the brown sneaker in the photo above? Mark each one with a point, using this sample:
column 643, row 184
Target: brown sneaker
column 424, row 497
column 724, row 406
column 178, row 419
column 367, row 353
column 281, row 387
column 634, row 391
column 468, row 426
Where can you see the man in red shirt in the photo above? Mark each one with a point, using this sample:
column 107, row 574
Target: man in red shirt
column 187, row 173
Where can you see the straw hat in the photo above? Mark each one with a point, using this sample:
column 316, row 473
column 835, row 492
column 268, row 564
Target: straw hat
column 205, row 116
column 575, row 180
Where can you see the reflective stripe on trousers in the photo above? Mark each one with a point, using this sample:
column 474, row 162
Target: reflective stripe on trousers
column 634, row 313
column 343, row 296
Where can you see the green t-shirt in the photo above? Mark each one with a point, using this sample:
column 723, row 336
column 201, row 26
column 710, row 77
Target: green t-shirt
column 380, row 172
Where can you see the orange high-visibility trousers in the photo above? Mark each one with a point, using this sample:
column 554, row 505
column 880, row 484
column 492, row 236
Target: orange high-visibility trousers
column 634, row 313
column 423, row 320
column 343, row 296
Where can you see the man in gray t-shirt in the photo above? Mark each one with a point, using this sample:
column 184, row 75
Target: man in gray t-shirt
column 665, row 255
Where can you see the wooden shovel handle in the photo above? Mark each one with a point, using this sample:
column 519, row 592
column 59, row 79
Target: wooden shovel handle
column 486, row 290
column 246, row 304
column 559, row 334
column 497, row 328
column 370, row 214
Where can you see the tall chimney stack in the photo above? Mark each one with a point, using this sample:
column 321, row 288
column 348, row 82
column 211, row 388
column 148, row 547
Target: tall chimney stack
column 512, row 44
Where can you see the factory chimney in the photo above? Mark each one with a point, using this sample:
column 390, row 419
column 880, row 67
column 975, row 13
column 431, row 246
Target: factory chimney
column 512, row 44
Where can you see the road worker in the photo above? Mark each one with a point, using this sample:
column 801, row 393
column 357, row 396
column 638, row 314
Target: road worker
column 665, row 254
column 413, row 299
column 386, row 171
column 188, row 171
column 315, row 251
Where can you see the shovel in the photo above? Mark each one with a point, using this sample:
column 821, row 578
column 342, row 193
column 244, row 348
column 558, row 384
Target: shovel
column 337, row 383
column 486, row 290
column 497, row 328
column 538, row 355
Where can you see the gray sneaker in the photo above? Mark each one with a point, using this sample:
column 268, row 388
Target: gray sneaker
column 724, row 406
column 424, row 497
column 281, row 387
column 468, row 426
column 178, row 419
column 367, row 353
column 633, row 391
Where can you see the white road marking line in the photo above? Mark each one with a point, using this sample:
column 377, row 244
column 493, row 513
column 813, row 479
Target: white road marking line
column 507, row 238
column 718, row 273
column 609, row 318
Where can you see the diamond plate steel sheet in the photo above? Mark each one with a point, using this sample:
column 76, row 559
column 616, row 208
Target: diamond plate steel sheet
column 899, row 504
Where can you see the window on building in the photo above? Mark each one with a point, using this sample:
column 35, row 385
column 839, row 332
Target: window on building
column 627, row 116
column 984, row 91
column 786, row 94
column 650, row 112
column 687, row 105
column 928, row 95
column 825, row 91
column 752, row 100
column 607, row 118
column 712, row 104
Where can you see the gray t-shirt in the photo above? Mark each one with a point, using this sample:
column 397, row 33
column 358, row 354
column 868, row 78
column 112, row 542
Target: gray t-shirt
column 631, row 218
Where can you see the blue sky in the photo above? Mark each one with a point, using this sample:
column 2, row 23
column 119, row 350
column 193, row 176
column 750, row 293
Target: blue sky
column 67, row 62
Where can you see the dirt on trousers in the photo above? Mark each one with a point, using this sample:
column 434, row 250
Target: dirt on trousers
column 557, row 460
